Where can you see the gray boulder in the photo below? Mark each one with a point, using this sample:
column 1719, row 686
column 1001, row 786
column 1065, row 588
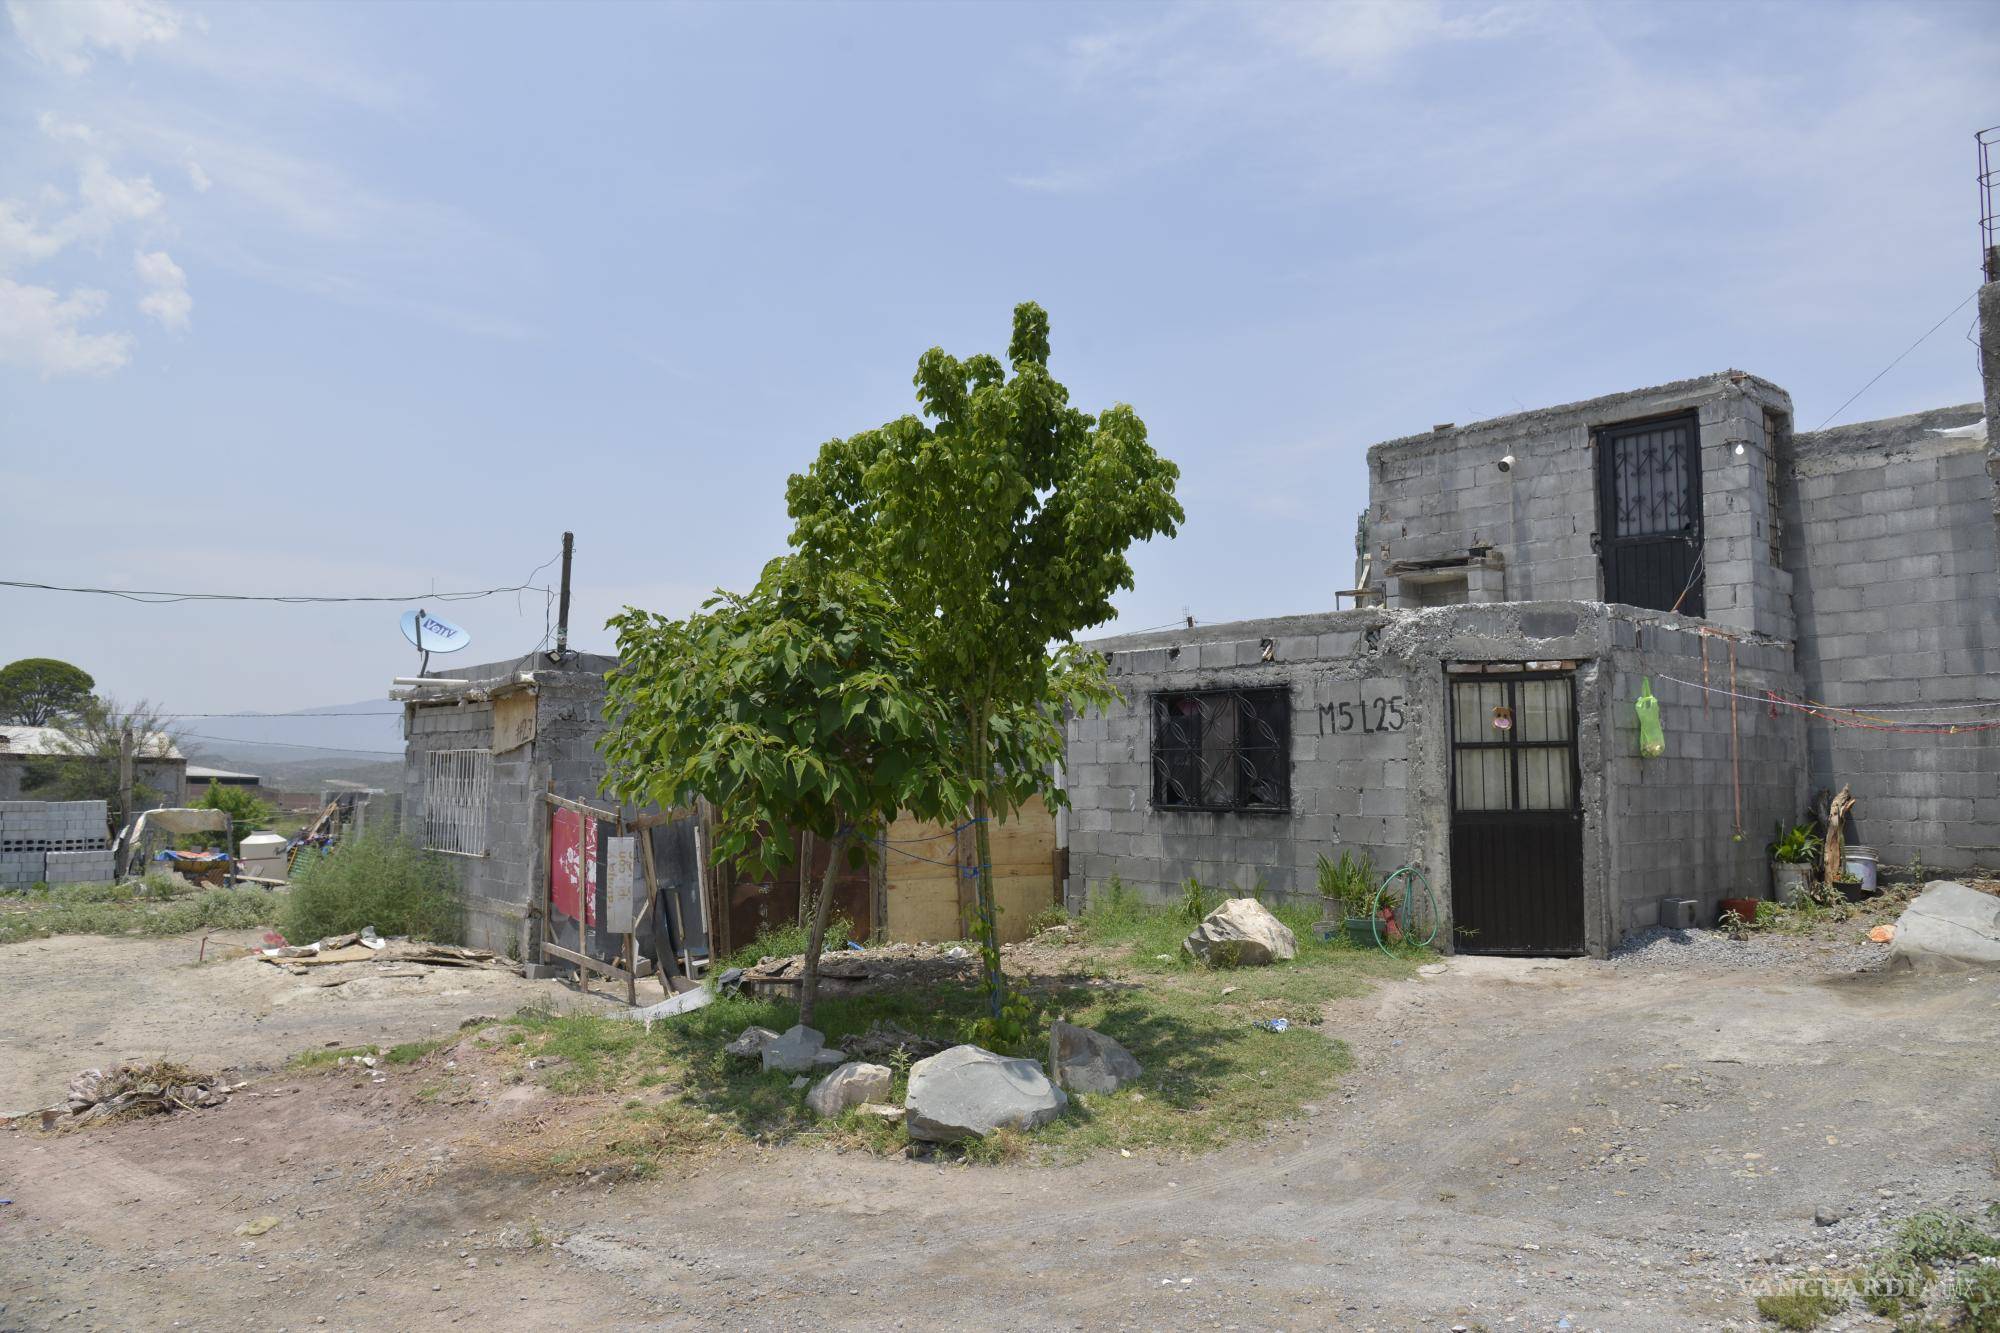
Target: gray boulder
column 1085, row 1061
column 1948, row 926
column 1241, row 933
column 750, row 1043
column 850, row 1085
column 796, row 1052
column 967, row 1093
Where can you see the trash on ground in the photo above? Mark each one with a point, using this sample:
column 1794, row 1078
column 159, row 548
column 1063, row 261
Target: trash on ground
column 153, row 1088
column 1276, row 1024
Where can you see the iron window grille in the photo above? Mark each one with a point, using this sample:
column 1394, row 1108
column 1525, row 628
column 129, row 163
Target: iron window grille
column 1222, row 750
column 456, row 785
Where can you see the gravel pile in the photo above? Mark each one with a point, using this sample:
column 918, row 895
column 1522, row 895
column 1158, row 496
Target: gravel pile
column 1661, row 948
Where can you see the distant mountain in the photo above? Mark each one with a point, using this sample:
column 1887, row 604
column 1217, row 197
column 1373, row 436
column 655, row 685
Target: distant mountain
column 361, row 742
column 372, row 726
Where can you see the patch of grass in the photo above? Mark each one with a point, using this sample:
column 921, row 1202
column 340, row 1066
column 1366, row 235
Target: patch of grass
column 327, row 1057
column 409, row 1052
column 375, row 880
column 1806, row 1308
column 1212, row 1074
column 786, row 940
column 159, row 904
column 1907, row 1272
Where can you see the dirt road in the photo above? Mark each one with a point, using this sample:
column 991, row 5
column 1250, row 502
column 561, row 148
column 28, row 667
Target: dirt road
column 1520, row 1144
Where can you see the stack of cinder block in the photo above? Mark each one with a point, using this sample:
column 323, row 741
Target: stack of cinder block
column 53, row 842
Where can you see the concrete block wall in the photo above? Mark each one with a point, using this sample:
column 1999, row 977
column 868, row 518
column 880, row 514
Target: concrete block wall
column 503, row 888
column 1384, row 793
column 1896, row 559
column 53, row 842
column 1672, row 822
column 1348, row 786
column 94, row 867
column 1442, row 493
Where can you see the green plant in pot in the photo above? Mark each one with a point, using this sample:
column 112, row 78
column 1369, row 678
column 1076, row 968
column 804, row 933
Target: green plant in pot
column 1794, row 852
column 1348, row 886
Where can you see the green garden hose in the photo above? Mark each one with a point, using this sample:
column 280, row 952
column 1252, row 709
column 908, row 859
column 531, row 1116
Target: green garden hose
column 1408, row 919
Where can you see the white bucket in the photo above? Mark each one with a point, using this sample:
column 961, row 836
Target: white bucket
column 1859, row 861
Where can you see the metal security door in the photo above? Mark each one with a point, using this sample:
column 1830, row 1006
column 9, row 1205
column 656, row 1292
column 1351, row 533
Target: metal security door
column 1649, row 513
column 1516, row 824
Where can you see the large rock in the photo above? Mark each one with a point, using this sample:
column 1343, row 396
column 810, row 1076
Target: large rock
column 1948, row 926
column 1085, row 1061
column 850, row 1085
column 967, row 1093
column 796, row 1052
column 1241, row 933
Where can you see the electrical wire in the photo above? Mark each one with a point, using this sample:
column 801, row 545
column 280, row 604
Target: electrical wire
column 1898, row 361
column 153, row 597
column 277, row 717
column 1848, row 717
column 290, row 745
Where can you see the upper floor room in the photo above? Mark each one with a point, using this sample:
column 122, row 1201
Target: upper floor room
column 1668, row 498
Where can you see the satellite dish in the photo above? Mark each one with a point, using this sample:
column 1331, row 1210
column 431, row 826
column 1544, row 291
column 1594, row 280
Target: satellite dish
column 433, row 634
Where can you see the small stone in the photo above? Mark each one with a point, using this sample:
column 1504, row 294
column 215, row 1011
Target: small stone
column 1083, row 1060
column 750, row 1043
column 881, row 1111
column 848, row 1086
column 795, row 1052
column 1824, row 1216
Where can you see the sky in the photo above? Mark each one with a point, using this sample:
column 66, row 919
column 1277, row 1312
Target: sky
column 378, row 300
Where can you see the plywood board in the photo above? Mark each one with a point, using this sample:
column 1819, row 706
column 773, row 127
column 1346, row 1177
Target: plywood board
column 513, row 721
column 931, row 901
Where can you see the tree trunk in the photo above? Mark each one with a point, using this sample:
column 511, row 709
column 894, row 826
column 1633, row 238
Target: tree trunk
column 986, row 908
column 816, row 935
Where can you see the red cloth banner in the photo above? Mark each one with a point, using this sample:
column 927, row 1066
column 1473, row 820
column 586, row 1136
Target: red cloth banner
column 573, row 865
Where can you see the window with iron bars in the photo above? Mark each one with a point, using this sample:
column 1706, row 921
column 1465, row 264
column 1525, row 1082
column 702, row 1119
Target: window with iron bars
column 456, row 784
column 1222, row 750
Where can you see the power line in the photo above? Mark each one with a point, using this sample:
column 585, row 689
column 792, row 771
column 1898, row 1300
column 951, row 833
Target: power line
column 278, row 717
column 158, row 598
column 1898, row 361
column 153, row 597
column 290, row 745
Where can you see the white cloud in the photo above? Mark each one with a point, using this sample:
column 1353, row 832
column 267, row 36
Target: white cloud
column 42, row 331
column 197, row 177
column 65, row 130
column 105, row 201
column 166, row 298
column 1364, row 38
column 68, row 35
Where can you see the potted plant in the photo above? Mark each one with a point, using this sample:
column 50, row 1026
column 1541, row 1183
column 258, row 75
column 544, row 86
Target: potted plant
column 1348, row 887
column 1793, row 854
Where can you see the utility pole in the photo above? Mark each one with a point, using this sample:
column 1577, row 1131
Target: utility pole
column 124, row 789
column 562, row 606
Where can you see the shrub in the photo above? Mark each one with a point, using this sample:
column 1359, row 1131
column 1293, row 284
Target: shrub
column 1349, row 882
column 789, row 939
column 376, row 880
column 248, row 813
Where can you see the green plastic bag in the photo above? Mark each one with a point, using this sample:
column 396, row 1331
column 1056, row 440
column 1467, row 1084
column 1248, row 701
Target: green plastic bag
column 1652, row 740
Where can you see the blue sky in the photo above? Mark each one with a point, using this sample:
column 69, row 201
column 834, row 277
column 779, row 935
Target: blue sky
column 381, row 298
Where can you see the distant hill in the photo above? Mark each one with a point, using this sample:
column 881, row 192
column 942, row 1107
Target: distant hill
column 361, row 742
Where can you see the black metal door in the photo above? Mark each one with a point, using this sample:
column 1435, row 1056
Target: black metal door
column 1516, row 823
column 1649, row 513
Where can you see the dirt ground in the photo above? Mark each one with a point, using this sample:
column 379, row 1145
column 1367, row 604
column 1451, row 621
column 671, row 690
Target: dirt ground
column 1521, row 1145
column 76, row 1001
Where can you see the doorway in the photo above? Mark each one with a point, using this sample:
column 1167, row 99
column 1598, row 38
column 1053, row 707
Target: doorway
column 1649, row 514
column 1516, row 820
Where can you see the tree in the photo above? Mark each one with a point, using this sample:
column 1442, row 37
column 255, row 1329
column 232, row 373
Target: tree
column 997, row 522
column 84, row 761
column 790, row 707
column 247, row 811
column 35, row 691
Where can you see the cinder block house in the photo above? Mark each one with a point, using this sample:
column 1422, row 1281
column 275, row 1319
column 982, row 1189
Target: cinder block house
column 1810, row 610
